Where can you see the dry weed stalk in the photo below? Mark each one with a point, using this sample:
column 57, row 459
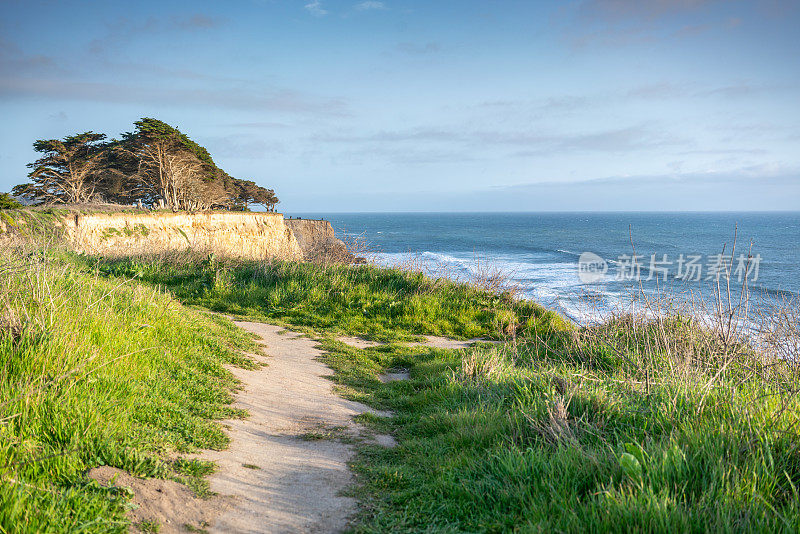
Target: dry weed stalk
column 555, row 428
column 482, row 365
column 731, row 340
column 347, row 250
column 480, row 273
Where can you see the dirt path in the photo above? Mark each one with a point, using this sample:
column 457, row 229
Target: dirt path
column 286, row 466
column 430, row 341
column 281, row 478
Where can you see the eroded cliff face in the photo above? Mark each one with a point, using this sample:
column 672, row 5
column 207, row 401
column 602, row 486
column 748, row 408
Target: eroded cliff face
column 318, row 242
column 254, row 236
column 310, row 233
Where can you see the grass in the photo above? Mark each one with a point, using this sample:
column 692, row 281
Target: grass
column 387, row 304
column 149, row 526
column 502, row 439
column 100, row 371
column 41, row 225
column 654, row 424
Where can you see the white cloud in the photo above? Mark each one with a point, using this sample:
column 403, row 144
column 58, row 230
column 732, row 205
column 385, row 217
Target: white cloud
column 316, row 9
column 370, row 4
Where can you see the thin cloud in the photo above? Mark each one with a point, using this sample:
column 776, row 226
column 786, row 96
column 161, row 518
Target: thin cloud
column 198, row 22
column 549, row 106
column 14, row 61
column 726, row 152
column 664, row 90
column 124, row 30
column 316, row 9
column 411, row 155
column 735, row 189
column 612, row 37
column 231, row 97
column 659, row 90
column 60, row 116
column 416, row 134
column 368, row 5
column 734, row 91
column 776, row 173
column 634, row 138
column 240, row 146
column 259, row 125
column 691, row 30
column 639, row 137
column 649, row 9
column 616, row 23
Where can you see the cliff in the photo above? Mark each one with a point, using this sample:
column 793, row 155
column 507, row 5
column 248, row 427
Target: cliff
column 318, row 242
column 242, row 235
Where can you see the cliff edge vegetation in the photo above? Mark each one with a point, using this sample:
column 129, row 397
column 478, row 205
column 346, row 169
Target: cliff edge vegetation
column 658, row 423
column 662, row 422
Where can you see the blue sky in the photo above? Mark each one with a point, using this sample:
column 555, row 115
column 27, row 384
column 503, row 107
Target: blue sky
column 430, row 105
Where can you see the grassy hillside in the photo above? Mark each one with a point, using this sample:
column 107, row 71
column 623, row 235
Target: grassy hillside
column 575, row 438
column 99, row 371
column 657, row 425
column 381, row 303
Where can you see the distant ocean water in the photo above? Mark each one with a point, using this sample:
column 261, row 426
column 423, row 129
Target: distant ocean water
column 540, row 251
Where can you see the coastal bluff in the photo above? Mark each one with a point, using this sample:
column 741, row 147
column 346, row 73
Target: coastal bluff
column 246, row 235
column 318, row 242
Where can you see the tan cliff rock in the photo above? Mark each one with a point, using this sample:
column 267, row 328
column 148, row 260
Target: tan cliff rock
column 234, row 234
column 318, row 242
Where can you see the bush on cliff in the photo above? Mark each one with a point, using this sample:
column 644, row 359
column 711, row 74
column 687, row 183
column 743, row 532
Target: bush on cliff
column 7, row 202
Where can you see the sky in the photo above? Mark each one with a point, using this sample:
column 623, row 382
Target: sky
column 430, row 105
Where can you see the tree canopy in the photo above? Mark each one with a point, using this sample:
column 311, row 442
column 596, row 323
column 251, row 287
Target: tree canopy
column 155, row 164
column 65, row 172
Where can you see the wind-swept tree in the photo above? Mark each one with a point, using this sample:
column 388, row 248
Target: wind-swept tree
column 172, row 168
column 248, row 192
column 156, row 164
column 164, row 167
column 67, row 171
column 267, row 198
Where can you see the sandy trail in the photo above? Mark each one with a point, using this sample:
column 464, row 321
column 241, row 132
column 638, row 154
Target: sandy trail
column 430, row 341
column 285, row 468
column 280, row 480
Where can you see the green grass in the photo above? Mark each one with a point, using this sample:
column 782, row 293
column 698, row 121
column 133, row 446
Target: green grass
column 97, row 371
column 379, row 303
column 632, row 425
column 149, row 526
column 126, row 231
column 536, row 444
column 39, row 224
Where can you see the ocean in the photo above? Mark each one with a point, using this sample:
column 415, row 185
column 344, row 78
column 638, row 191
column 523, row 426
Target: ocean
column 541, row 253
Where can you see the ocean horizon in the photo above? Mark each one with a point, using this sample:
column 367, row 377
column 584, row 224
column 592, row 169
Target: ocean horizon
column 677, row 253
